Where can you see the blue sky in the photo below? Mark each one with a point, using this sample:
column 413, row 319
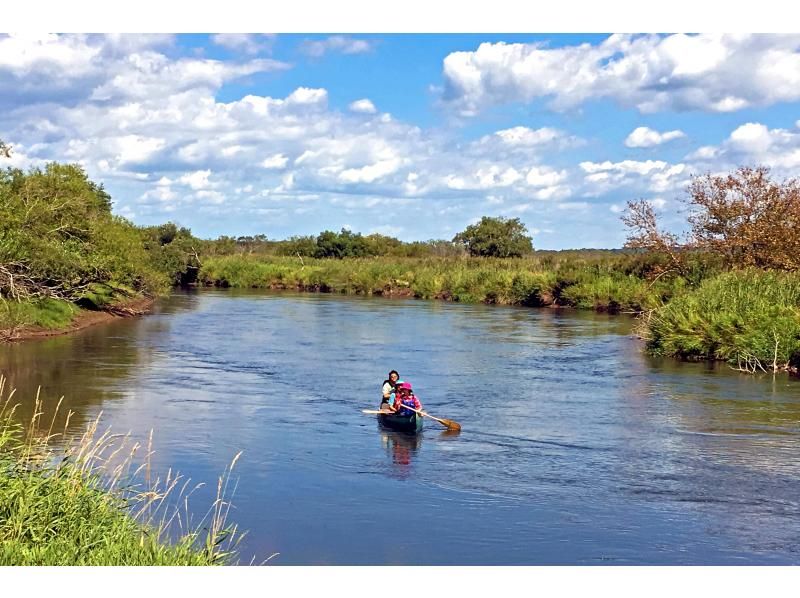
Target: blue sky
column 416, row 136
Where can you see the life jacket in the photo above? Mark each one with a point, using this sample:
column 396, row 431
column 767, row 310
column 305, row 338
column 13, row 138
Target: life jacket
column 410, row 400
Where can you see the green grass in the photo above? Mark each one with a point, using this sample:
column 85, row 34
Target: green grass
column 83, row 505
column 46, row 313
column 748, row 318
column 590, row 281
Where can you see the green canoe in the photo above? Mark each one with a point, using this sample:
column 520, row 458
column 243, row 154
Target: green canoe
column 410, row 424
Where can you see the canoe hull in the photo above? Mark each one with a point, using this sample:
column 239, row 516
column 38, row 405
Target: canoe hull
column 402, row 423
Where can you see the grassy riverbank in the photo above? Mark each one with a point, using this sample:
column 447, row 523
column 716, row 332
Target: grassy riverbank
column 604, row 281
column 86, row 503
column 748, row 318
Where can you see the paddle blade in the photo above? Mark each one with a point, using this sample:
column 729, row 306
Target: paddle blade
column 451, row 425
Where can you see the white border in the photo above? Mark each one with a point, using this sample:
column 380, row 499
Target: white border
column 424, row 16
column 369, row 582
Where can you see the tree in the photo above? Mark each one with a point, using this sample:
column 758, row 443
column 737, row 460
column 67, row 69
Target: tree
column 745, row 218
column 341, row 245
column 496, row 237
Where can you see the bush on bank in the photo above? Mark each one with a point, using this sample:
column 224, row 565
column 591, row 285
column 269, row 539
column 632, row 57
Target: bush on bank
column 748, row 318
column 60, row 242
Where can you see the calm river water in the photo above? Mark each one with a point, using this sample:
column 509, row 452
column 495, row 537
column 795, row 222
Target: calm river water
column 575, row 449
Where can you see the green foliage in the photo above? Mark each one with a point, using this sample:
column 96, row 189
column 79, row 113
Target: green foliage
column 46, row 313
column 593, row 280
column 59, row 240
column 748, row 318
column 73, row 508
column 340, row 245
column 303, row 246
column 496, row 237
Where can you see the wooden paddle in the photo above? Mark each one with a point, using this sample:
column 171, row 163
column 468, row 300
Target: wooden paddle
column 448, row 423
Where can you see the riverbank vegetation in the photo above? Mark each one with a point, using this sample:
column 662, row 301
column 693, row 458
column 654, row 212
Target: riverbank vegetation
column 62, row 249
column 749, row 315
column 87, row 503
column 600, row 280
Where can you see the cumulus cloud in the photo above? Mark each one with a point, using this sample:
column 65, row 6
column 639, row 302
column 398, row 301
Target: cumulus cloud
column 753, row 144
column 74, row 68
column 363, row 106
column 649, row 175
column 276, row 162
column 248, row 43
column 337, row 43
column 709, row 72
column 646, row 137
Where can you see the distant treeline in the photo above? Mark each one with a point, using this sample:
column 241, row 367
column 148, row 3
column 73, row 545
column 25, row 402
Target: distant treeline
column 491, row 237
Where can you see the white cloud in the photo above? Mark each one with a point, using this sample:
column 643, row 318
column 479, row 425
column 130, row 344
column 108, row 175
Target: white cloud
column 305, row 95
column 711, row 72
column 370, row 173
column 336, row 43
column 388, row 230
column 249, row 43
column 107, row 68
column 363, row 106
column 197, row 180
column 650, row 175
column 170, row 148
column 275, row 162
column 755, row 143
column 625, row 166
column 545, row 177
column 523, row 136
column 646, row 137
column 706, row 152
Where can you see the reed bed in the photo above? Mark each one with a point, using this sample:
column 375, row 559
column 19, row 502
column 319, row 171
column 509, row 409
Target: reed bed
column 92, row 501
column 591, row 280
column 748, row 318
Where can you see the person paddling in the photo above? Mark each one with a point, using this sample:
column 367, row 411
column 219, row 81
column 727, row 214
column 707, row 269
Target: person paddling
column 405, row 396
column 389, row 388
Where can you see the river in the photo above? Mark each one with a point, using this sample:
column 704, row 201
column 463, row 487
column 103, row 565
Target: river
column 575, row 447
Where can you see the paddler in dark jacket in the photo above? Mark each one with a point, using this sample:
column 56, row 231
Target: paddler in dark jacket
column 389, row 388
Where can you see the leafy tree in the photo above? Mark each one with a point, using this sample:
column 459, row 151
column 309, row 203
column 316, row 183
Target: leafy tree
column 59, row 239
column 305, row 246
column 378, row 244
column 744, row 218
column 496, row 237
column 341, row 245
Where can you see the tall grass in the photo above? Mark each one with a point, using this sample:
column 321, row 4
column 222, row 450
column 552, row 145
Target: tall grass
column 748, row 318
column 88, row 503
column 43, row 312
column 591, row 281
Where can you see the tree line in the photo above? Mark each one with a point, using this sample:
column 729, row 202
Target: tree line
column 491, row 237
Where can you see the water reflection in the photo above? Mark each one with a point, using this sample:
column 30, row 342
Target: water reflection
column 61, row 366
column 402, row 449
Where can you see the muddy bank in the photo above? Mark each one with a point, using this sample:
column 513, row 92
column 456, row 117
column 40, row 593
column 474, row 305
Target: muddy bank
column 84, row 319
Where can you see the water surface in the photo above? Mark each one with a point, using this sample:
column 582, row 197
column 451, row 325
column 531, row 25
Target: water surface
column 575, row 449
